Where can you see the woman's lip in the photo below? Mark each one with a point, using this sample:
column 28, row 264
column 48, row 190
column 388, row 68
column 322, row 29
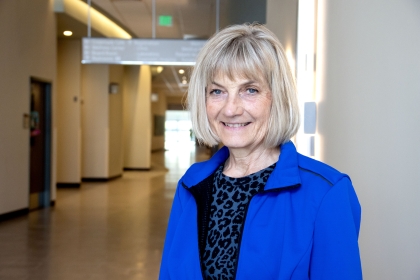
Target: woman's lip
column 235, row 125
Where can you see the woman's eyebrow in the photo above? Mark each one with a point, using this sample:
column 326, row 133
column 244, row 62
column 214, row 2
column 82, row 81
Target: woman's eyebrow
column 251, row 82
column 216, row 84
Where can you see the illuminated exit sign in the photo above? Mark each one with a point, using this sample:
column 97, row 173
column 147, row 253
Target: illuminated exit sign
column 165, row 20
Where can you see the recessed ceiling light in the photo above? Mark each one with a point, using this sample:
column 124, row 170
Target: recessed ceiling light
column 159, row 69
column 184, row 82
column 67, row 33
column 181, row 71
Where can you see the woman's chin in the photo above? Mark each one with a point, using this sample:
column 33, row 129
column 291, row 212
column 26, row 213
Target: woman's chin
column 238, row 145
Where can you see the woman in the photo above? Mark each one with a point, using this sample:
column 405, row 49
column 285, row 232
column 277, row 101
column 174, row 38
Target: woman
column 257, row 209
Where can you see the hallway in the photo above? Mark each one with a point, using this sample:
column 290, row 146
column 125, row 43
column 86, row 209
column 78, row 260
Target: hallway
column 104, row 230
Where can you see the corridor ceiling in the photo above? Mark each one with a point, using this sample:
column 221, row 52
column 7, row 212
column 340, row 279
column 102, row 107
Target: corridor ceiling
column 191, row 19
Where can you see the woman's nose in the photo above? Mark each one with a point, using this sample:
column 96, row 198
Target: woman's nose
column 233, row 106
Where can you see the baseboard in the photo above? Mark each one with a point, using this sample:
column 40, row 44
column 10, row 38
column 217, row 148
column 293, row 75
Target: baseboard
column 159, row 150
column 14, row 214
column 115, row 177
column 136, row 169
column 68, row 185
column 96, row 179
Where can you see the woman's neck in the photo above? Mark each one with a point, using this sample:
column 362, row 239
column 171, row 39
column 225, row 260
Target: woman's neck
column 242, row 163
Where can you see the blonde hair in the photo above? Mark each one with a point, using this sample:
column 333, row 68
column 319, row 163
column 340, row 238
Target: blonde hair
column 250, row 51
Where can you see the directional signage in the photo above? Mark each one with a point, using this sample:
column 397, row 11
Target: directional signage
column 140, row 51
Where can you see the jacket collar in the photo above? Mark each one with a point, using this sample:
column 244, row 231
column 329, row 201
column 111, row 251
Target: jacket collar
column 285, row 174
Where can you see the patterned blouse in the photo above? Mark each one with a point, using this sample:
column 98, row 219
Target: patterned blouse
column 231, row 197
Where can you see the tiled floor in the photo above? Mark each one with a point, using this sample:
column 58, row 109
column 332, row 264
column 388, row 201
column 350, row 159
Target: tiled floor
column 112, row 230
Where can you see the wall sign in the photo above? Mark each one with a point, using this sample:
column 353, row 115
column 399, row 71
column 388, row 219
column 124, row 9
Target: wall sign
column 140, row 51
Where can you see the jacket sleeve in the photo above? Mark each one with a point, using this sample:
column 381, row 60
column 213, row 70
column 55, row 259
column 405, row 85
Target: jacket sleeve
column 176, row 212
column 335, row 252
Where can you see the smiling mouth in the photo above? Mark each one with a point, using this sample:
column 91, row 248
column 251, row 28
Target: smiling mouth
column 235, row 124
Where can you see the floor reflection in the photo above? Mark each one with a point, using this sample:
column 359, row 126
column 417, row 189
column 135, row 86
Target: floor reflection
column 111, row 230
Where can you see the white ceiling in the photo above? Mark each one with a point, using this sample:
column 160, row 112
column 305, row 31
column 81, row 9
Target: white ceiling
column 169, row 81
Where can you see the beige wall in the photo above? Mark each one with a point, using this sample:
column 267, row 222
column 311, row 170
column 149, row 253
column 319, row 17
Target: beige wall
column 158, row 109
column 368, row 82
column 69, row 150
column 95, row 114
column 102, row 117
column 137, row 117
column 282, row 20
column 116, row 75
column 27, row 48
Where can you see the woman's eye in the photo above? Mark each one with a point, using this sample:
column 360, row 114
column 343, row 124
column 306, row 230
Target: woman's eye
column 252, row 90
column 216, row 91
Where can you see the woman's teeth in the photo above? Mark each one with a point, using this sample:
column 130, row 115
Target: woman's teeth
column 235, row 124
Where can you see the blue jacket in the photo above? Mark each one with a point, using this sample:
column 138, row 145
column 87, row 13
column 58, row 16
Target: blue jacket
column 304, row 225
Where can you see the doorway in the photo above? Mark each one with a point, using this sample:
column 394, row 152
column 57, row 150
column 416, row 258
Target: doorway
column 178, row 130
column 40, row 144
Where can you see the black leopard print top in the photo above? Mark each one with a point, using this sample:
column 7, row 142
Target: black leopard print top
column 231, row 197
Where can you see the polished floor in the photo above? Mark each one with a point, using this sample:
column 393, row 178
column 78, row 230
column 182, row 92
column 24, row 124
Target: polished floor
column 111, row 230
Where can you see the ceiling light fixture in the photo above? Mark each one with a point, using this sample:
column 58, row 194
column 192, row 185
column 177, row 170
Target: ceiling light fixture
column 67, row 33
column 184, row 80
column 181, row 71
column 159, row 69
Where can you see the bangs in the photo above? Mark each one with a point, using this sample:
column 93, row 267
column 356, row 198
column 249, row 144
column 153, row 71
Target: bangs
column 240, row 59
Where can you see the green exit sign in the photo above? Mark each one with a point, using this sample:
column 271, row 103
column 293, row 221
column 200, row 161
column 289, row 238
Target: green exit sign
column 165, row 20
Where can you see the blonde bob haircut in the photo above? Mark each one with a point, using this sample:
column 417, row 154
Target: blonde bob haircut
column 253, row 52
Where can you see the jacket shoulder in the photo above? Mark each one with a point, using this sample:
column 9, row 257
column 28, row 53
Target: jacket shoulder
column 323, row 170
column 201, row 170
column 197, row 168
column 197, row 172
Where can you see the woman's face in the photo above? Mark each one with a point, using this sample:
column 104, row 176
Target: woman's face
column 238, row 111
